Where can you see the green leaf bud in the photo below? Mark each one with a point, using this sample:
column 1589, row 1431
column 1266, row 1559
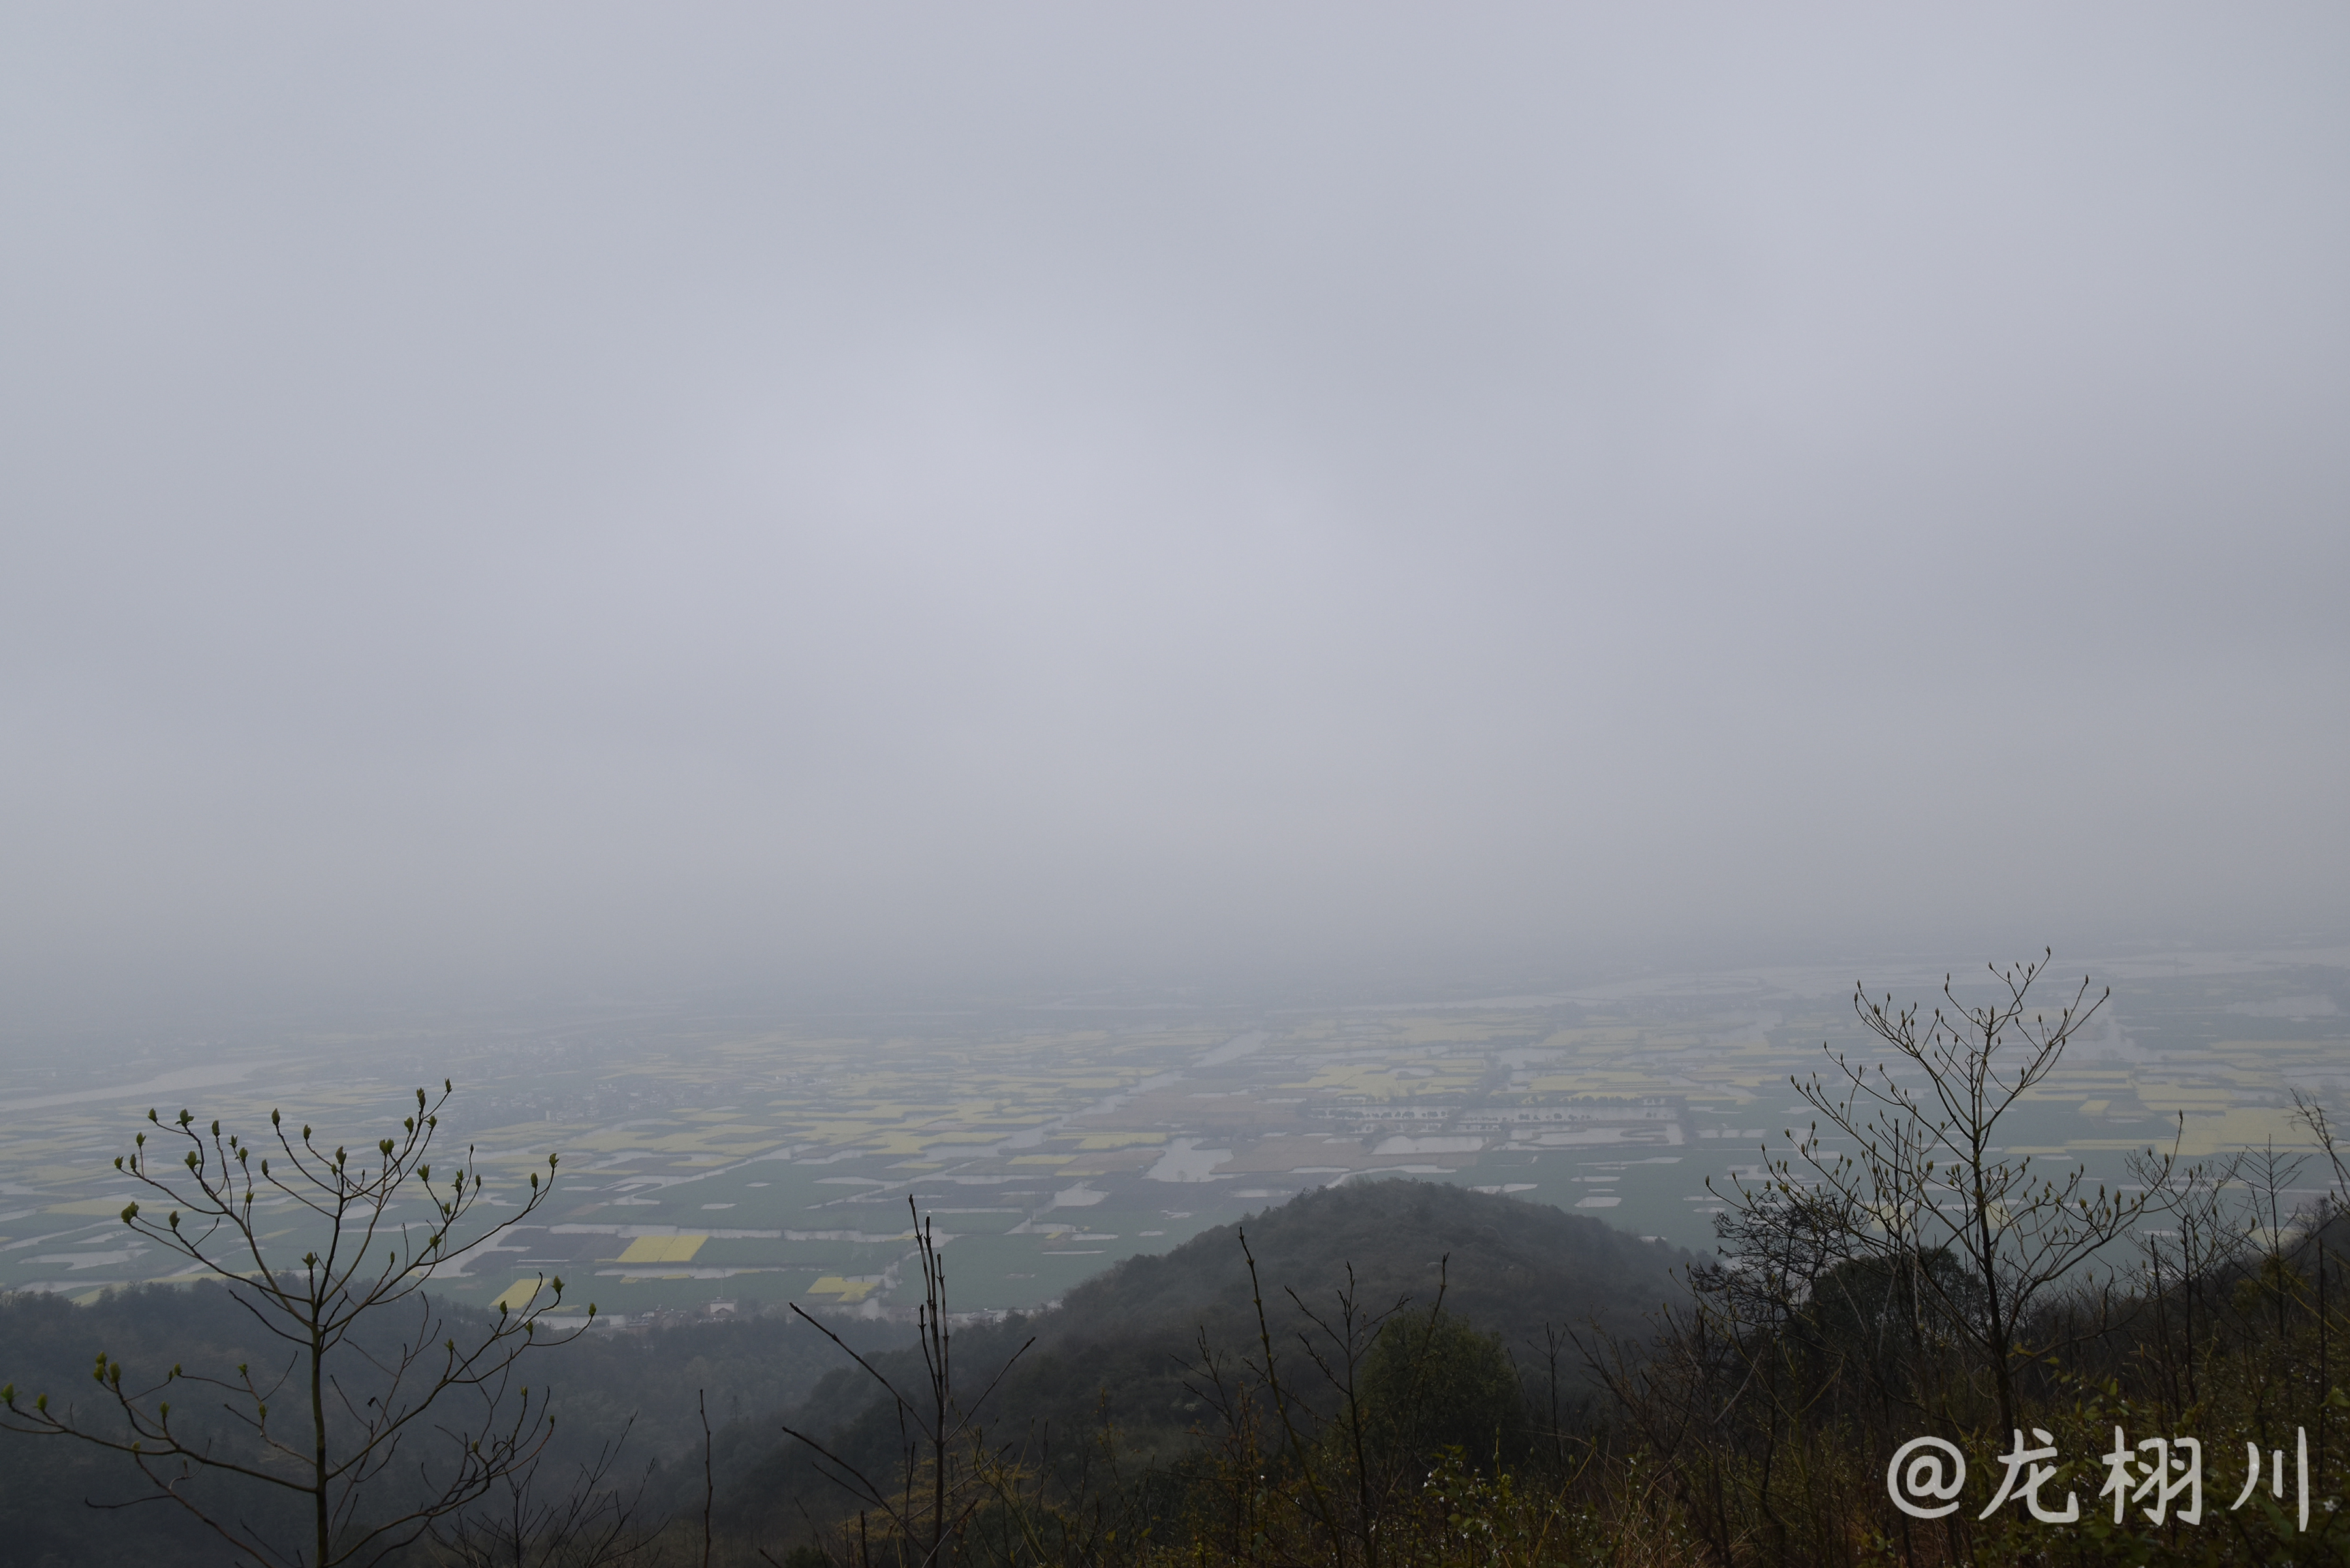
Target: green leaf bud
column 129, row 1212
column 216, row 1126
column 175, row 1219
column 273, row 1118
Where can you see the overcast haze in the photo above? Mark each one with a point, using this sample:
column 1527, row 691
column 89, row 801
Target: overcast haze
column 626, row 498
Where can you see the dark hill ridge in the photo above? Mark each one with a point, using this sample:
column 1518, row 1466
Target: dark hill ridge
column 1514, row 1267
column 1122, row 1345
column 644, row 1385
column 1128, row 1333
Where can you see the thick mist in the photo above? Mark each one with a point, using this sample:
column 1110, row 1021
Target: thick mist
column 604, row 499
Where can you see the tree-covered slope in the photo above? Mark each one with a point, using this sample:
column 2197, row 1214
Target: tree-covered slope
column 1123, row 1348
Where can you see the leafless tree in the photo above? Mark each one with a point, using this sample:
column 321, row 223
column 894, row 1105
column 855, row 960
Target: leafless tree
column 365, row 1407
column 1927, row 1174
column 936, row 1488
column 591, row 1524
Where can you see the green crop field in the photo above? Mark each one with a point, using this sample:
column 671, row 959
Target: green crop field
column 750, row 1161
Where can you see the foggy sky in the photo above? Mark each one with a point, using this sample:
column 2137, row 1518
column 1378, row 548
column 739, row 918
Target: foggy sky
column 622, row 497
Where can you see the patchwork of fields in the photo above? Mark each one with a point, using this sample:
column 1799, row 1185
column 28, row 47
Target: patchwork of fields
column 720, row 1162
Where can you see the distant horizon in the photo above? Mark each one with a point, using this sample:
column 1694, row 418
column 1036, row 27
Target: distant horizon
column 107, row 1024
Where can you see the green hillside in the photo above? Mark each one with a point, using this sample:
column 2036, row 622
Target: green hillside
column 1123, row 1349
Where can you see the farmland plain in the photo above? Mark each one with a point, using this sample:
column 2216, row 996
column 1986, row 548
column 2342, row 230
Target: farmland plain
column 731, row 1158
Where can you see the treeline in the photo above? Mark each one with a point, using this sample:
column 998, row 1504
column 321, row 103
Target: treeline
column 1753, row 1426
column 1913, row 1347
column 1412, row 1317
column 628, row 1403
column 1748, row 1421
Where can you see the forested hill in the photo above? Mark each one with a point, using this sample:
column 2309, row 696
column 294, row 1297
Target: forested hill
column 646, row 1388
column 1509, row 1266
column 1122, row 1348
